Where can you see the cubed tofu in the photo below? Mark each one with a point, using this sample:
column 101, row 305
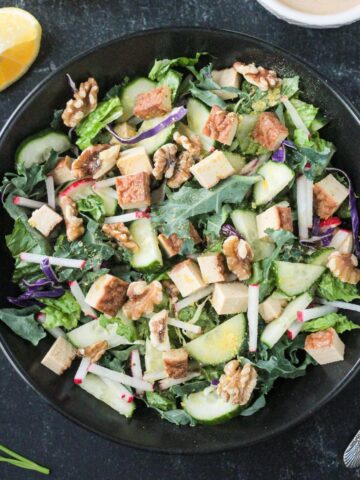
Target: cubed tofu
column 158, row 326
column 134, row 160
column 107, row 294
column 230, row 298
column 133, row 190
column 45, row 220
column 221, row 125
column 62, row 173
column 124, row 130
column 176, row 362
column 325, row 346
column 271, row 308
column 60, row 356
column 269, row 131
column 171, row 245
column 187, row 277
column 154, row 103
column 107, row 161
column 276, row 217
column 329, row 194
column 213, row 168
column 212, row 267
column 228, row 77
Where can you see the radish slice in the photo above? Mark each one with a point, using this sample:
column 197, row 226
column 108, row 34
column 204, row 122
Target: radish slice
column 342, row 305
column 56, row 332
column 185, row 302
column 295, row 117
column 316, row 312
column 253, row 316
column 309, row 202
column 50, row 190
column 82, row 370
column 135, row 367
column 302, row 199
column 154, row 376
column 120, row 377
column 331, row 222
column 184, row 326
column 294, row 329
column 123, row 392
column 27, row 202
column 127, row 217
column 171, row 382
column 60, row 262
column 111, row 193
column 109, row 182
column 80, row 298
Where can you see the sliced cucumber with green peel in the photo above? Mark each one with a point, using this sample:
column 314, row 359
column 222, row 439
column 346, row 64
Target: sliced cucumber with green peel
column 320, row 257
column 262, row 249
column 220, row 344
column 153, row 359
column 296, row 278
column 209, row 408
column 153, row 143
column 92, row 332
column 245, row 126
column 107, row 393
column 276, row 329
column 237, row 161
column 130, row 92
column 148, row 258
column 197, row 116
column 36, row 149
column 110, row 203
column 276, row 176
column 245, row 223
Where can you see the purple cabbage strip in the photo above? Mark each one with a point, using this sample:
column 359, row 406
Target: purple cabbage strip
column 316, row 226
column 175, row 116
column 215, row 381
column 228, row 230
column 353, row 210
column 43, row 282
column 48, row 271
column 23, row 302
column 279, row 155
column 289, row 143
column 72, row 83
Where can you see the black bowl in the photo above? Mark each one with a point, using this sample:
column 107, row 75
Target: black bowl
column 292, row 400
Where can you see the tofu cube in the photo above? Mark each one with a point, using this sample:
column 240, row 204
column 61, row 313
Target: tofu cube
column 134, row 160
column 212, row 267
column 215, row 167
column 228, row 77
column 124, row 130
column 230, row 298
column 221, row 125
column 329, row 194
column 62, row 173
column 187, row 277
column 176, row 362
column 133, row 190
column 271, row 308
column 171, row 245
column 276, row 217
column 107, row 294
column 325, row 346
column 60, row 356
column 269, row 131
column 154, row 103
column 45, row 220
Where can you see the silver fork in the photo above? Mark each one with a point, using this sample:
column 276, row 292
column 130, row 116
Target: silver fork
column 352, row 453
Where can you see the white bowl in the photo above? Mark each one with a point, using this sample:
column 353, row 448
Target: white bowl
column 302, row 19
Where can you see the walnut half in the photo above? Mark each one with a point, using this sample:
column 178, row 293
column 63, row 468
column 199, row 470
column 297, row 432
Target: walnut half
column 142, row 299
column 259, row 76
column 83, row 103
column 239, row 256
column 119, row 232
column 74, row 224
column 343, row 266
column 94, row 351
column 95, row 161
column 173, row 166
column 237, row 383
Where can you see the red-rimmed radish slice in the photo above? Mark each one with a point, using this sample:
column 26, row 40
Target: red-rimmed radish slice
column 135, row 367
column 78, row 189
column 185, row 302
column 294, row 329
column 295, row 117
column 55, row 332
column 82, row 370
column 253, row 316
column 50, row 191
column 127, row 217
column 343, row 305
column 27, row 202
column 80, row 298
column 109, row 182
column 316, row 312
column 184, row 326
column 171, row 382
column 309, row 202
column 120, row 377
column 124, row 393
column 304, row 200
column 331, row 222
column 60, row 262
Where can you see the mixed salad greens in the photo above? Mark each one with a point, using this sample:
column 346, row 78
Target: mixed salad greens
column 184, row 239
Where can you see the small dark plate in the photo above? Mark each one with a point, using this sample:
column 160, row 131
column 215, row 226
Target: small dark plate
column 291, row 401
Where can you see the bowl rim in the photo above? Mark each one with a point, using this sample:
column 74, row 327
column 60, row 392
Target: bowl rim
column 6, row 348
column 307, row 19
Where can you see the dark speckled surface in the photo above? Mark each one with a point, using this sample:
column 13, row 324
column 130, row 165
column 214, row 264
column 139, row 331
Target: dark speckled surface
column 312, row 450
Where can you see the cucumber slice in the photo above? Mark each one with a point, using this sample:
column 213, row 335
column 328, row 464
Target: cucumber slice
column 197, row 115
column 37, row 148
column 220, row 344
column 245, row 223
column 245, row 126
column 262, row 249
column 130, row 92
column 153, row 358
column 276, row 329
column 107, row 393
column 93, row 332
column 320, row 257
column 296, row 278
column 276, row 176
column 237, row 161
column 153, row 143
column 209, row 408
column 110, row 203
column 148, row 258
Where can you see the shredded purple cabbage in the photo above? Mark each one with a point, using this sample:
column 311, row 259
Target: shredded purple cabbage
column 18, row 302
column 279, row 155
column 289, row 143
column 215, row 381
column 39, row 284
column 316, row 226
column 48, row 271
column 228, row 230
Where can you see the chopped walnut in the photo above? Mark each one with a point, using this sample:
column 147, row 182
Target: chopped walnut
column 142, row 299
column 190, row 144
column 119, row 232
column 239, row 256
column 94, row 351
column 343, row 266
column 172, row 290
column 83, row 103
column 172, row 166
column 182, row 170
column 237, row 383
column 176, row 362
column 221, row 125
column 74, row 224
column 95, row 161
column 259, row 76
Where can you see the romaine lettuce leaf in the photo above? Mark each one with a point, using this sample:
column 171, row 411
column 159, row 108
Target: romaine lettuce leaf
column 161, row 67
column 22, row 322
column 335, row 320
column 306, row 111
column 290, row 86
column 172, row 79
column 61, row 312
column 332, row 288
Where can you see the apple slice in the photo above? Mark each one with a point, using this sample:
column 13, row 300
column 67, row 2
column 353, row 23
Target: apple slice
column 78, row 189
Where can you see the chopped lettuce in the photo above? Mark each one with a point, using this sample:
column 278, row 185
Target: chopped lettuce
column 22, row 322
column 61, row 312
column 290, row 86
column 172, row 79
column 92, row 205
column 335, row 320
column 162, row 401
column 332, row 288
column 306, row 111
column 161, row 67
column 125, row 328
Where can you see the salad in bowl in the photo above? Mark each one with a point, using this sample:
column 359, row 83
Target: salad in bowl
column 185, row 240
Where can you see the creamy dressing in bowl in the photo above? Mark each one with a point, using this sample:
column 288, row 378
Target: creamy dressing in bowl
column 321, row 7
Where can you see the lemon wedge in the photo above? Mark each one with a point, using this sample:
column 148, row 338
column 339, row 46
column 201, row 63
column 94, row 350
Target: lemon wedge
column 20, row 37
